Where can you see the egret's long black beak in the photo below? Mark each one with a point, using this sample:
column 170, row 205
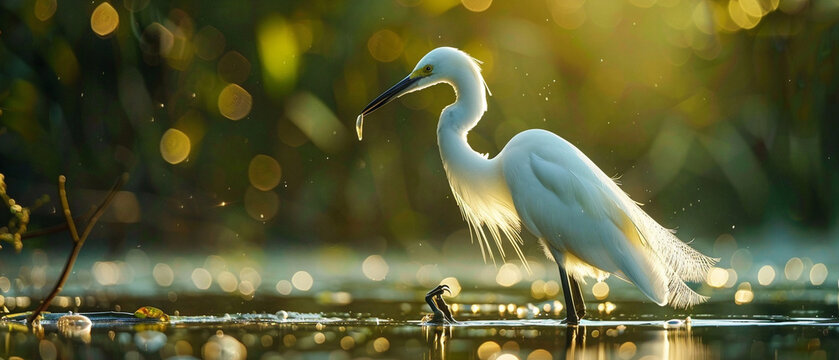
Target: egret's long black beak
column 383, row 99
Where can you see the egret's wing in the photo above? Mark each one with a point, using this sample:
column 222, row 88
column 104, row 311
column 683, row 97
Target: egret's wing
column 564, row 198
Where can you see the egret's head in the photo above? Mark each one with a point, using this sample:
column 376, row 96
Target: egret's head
column 439, row 65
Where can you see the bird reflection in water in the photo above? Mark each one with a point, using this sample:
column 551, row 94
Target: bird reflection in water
column 437, row 338
column 586, row 341
column 669, row 342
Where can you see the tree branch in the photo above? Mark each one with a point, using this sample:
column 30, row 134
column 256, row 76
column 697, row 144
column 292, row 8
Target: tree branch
column 78, row 242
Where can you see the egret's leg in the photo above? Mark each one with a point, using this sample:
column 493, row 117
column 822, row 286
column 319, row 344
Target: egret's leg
column 577, row 294
column 570, row 311
column 429, row 298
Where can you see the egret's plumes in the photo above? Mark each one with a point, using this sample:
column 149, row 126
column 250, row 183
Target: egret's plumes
column 586, row 223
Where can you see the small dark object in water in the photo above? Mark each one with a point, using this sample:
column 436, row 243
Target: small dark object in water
column 434, row 298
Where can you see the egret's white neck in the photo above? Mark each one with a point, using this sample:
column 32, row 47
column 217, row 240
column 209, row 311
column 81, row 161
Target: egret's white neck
column 458, row 118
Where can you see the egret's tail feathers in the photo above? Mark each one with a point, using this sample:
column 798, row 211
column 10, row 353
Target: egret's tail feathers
column 682, row 296
column 679, row 261
column 687, row 263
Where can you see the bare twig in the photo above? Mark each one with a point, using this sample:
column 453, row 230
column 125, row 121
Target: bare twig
column 55, row 229
column 78, row 241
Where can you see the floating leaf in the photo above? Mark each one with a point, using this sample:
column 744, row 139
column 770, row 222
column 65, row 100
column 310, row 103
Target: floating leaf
column 150, row 312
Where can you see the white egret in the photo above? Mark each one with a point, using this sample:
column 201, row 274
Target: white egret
column 583, row 220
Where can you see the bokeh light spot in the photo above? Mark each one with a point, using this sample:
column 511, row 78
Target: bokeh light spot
column 233, row 67
column 732, row 278
column 201, row 278
column 104, row 19
column 278, row 50
column 302, row 280
column 375, row 268
column 766, row 275
column 381, row 345
column 163, row 275
column 385, row 45
column 476, row 5
column 284, row 287
column 264, row 172
column 174, row 146
column 540, row 354
column 600, row 290
column 45, row 9
column 551, row 288
column 740, row 17
column 793, row 269
column 261, row 205
column 716, row 277
column 347, row 342
column 488, row 349
column 744, row 294
column 5, row 284
column 568, row 14
column 627, row 350
column 227, row 281
column 209, row 43
column 224, row 347
column 508, row 275
column 234, row 102
column 818, row 274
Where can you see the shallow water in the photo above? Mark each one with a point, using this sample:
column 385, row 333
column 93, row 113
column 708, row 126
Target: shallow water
column 343, row 313
column 479, row 335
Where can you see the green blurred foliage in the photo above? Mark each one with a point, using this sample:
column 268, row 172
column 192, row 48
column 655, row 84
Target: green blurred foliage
column 715, row 113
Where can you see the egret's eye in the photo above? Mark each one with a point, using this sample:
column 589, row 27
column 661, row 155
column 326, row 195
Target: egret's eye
column 427, row 69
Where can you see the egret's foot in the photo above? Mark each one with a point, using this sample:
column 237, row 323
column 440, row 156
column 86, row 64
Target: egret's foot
column 571, row 320
column 442, row 313
column 581, row 313
column 438, row 291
